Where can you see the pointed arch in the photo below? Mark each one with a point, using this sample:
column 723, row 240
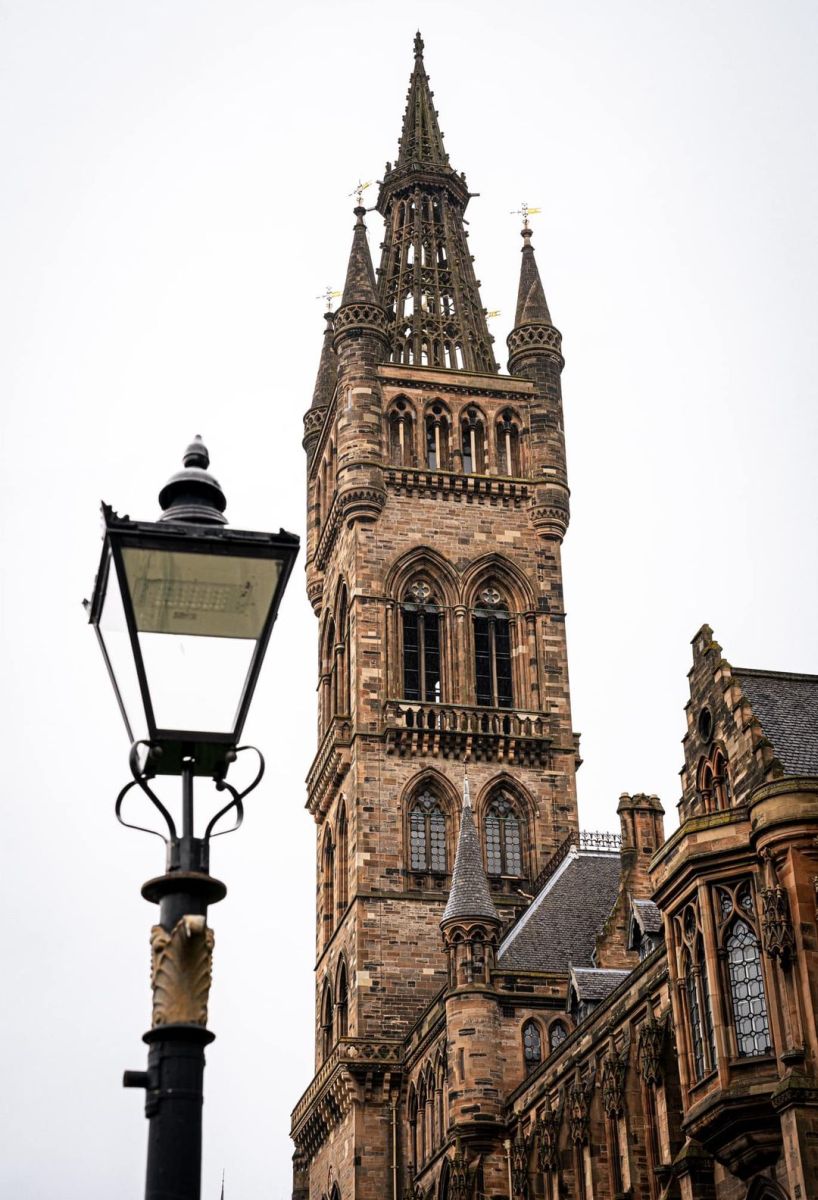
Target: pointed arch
column 341, row 859
column 341, row 651
column 327, row 684
column 532, row 1043
column 326, row 1021
column 497, row 569
column 328, row 884
column 437, row 425
column 412, row 1117
column 508, row 438
column 341, row 998
column 400, row 424
column 473, row 441
column 423, row 560
column 429, row 802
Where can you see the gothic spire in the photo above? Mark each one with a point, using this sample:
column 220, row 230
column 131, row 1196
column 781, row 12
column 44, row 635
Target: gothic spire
column 421, row 142
column 532, row 307
column 327, row 375
column 360, row 281
column 470, row 896
column 435, row 316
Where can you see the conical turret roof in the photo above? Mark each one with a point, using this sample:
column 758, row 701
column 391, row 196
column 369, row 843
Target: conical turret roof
column 360, row 281
column 421, row 142
column 327, row 369
column 470, row 896
column 532, row 307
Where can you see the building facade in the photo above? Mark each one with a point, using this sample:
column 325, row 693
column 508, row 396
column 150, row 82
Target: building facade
column 504, row 1005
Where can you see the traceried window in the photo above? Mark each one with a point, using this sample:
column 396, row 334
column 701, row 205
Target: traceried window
column 472, row 443
column 508, row 444
column 421, row 619
column 437, row 439
column 503, row 856
column 697, row 993
column 492, row 651
column 557, row 1033
column 532, row 1046
column 427, row 835
column 736, row 916
column 401, row 435
column 713, row 782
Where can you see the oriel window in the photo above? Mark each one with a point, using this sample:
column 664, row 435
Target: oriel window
column 492, row 652
column 421, row 645
column 736, row 915
column 503, row 839
column 427, row 832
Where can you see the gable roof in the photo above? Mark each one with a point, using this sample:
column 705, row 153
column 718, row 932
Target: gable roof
column 561, row 924
column 786, row 704
column 647, row 916
column 594, row 983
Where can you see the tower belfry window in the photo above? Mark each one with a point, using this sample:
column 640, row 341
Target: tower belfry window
column 437, row 438
column 471, row 429
column 503, row 855
column 492, row 651
column 427, row 833
column 421, row 644
column 508, row 444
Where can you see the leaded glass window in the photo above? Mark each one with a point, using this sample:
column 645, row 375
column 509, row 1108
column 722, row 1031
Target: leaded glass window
column 532, row 1045
column 503, row 855
column 695, row 1018
column 747, row 990
column 557, row 1034
column 427, row 835
column 492, row 652
column 421, row 645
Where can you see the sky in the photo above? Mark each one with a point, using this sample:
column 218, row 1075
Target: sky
column 176, row 196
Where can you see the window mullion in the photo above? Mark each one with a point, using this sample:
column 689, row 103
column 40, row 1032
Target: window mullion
column 493, row 658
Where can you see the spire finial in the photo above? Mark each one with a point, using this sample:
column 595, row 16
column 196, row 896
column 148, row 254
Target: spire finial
column 418, row 45
column 328, row 295
column 358, row 192
column 525, row 212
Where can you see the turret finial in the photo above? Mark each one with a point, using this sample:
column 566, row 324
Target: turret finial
column 418, row 45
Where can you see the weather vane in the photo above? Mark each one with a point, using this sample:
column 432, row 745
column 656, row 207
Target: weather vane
column 328, row 295
column 358, row 191
column 525, row 212
column 493, row 312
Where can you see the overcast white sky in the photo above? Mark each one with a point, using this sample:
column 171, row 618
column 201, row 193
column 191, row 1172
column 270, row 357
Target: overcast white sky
column 175, row 196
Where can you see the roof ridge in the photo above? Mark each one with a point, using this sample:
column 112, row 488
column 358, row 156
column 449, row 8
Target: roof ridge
column 759, row 673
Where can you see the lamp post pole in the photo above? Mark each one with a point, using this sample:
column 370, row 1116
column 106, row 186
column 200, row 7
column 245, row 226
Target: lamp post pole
column 185, row 580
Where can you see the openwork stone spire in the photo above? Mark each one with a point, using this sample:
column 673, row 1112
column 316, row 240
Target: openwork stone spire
column 470, row 896
column 427, row 285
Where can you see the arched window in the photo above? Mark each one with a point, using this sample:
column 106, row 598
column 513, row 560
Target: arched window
column 437, row 439
column 326, row 1022
column 532, row 1046
column 492, row 651
column 713, row 781
column 557, row 1033
column 503, row 853
column 412, row 1113
column 421, row 644
column 342, row 866
column 508, row 444
column 401, row 435
column 342, row 656
column 745, row 977
column 697, row 994
column 427, row 834
column 328, row 679
column 422, row 1143
column 341, row 1000
column 473, row 443
column 328, row 864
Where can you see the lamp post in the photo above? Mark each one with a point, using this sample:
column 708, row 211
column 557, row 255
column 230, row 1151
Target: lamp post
column 183, row 609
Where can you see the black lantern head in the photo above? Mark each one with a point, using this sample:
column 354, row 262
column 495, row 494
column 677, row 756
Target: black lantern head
column 183, row 609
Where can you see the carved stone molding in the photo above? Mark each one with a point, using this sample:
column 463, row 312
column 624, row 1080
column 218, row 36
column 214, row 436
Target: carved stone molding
column 519, row 1167
column 579, row 1108
column 546, row 1134
column 651, row 1044
column 359, row 317
column 776, row 925
column 541, row 338
column 613, row 1083
column 181, row 964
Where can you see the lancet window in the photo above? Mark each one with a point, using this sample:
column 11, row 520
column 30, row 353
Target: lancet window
column 508, row 444
column 532, row 1046
column 473, row 444
column 713, row 782
column 738, row 935
column 492, row 651
column 328, row 872
column 427, row 834
column 696, row 991
column 557, row 1033
column 503, row 850
column 401, row 435
column 437, row 439
column 421, row 621
column 342, row 866
column 326, row 1021
column 342, row 1001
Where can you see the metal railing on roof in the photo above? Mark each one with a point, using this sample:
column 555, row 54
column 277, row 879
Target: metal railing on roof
column 583, row 839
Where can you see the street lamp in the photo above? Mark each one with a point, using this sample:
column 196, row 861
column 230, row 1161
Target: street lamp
column 183, row 609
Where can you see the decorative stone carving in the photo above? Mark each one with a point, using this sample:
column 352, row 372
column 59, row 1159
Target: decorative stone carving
column 421, row 592
column 459, row 1178
column 579, row 1108
column 519, row 1167
column 776, row 922
column 181, row 963
column 650, row 1046
column 546, row 1134
column 613, row 1083
column 490, row 597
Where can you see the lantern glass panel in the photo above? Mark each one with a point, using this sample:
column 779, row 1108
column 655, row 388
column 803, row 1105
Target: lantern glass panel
column 198, row 617
column 116, row 643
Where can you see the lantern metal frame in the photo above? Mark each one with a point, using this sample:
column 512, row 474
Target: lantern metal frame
column 169, row 749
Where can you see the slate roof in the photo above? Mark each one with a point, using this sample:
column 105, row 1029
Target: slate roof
column 648, row 916
column 561, row 925
column 595, row 984
column 359, row 287
column 470, row 895
column 787, row 707
column 532, row 307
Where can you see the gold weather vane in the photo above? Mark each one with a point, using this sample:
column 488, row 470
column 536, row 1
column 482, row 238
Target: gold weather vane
column 358, row 191
column 525, row 212
column 493, row 312
column 328, row 295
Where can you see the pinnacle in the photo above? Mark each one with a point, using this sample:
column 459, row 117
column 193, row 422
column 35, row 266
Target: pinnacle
column 360, row 281
column 421, row 141
column 469, row 895
column 532, row 307
column 327, row 369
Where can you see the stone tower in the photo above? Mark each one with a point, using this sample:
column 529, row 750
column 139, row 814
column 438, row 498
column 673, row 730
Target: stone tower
column 437, row 504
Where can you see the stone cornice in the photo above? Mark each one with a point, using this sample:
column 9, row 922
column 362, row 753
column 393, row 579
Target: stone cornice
column 435, row 380
column 331, row 1093
column 494, row 489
